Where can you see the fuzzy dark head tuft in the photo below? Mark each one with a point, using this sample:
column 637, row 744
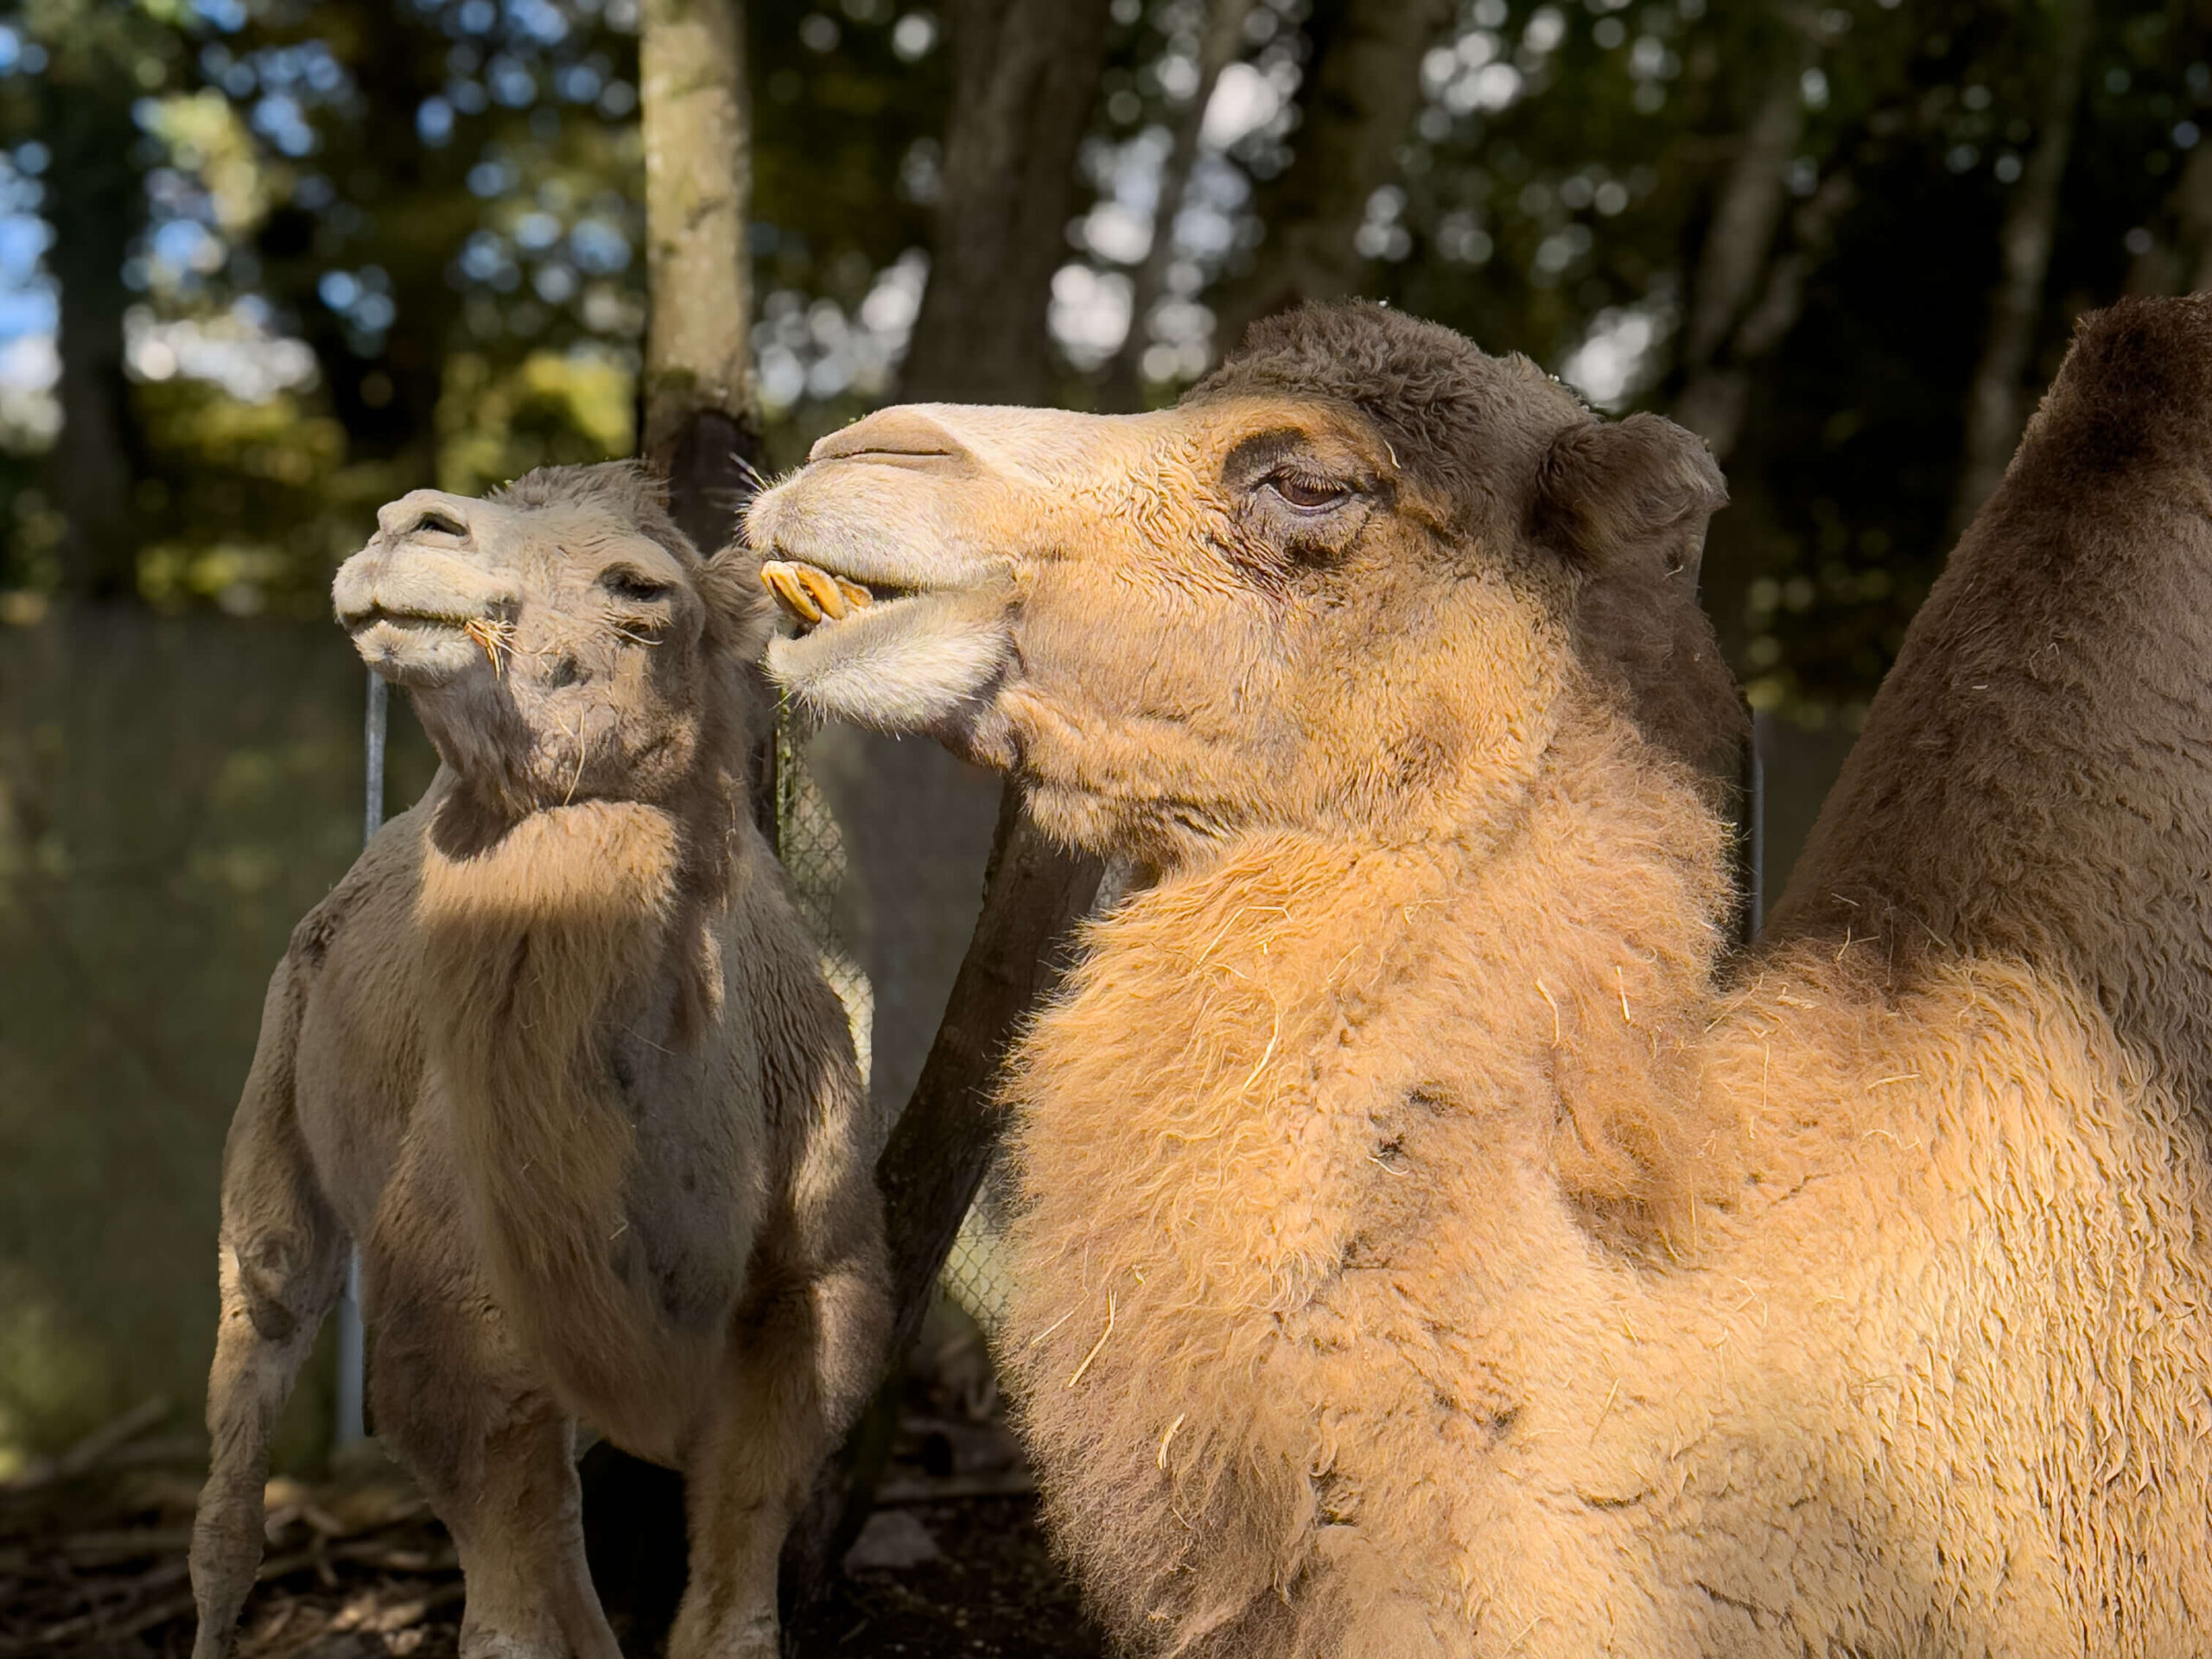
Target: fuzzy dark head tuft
column 1470, row 427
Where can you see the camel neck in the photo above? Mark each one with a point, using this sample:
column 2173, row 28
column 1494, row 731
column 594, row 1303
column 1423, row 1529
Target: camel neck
column 1554, row 978
column 1607, row 843
column 571, row 929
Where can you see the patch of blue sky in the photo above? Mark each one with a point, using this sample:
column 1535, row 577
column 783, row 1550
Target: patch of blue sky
column 598, row 247
column 537, row 19
column 33, row 308
column 183, row 246
column 23, row 239
column 280, row 119
column 229, row 16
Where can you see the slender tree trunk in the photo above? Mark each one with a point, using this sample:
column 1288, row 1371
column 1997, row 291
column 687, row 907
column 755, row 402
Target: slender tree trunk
column 697, row 426
column 1025, row 74
column 1033, row 894
column 1738, row 244
column 1225, row 38
column 1361, row 93
column 97, row 207
column 1713, row 402
column 697, row 386
column 2196, row 240
column 1994, row 399
column 388, row 403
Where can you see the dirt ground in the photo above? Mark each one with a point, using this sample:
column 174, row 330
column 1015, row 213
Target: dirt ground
column 92, row 1560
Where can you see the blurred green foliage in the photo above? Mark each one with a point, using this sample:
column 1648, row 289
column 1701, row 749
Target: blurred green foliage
column 438, row 201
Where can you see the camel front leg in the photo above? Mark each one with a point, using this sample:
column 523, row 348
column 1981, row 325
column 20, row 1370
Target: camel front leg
column 804, row 1363
column 258, row 1352
column 492, row 1449
column 280, row 1264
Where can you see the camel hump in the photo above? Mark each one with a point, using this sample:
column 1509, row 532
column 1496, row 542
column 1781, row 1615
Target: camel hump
column 2035, row 778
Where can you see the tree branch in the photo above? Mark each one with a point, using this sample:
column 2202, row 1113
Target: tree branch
column 1224, row 36
column 1033, row 895
column 1739, row 247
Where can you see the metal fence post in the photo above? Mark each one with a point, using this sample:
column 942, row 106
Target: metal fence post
column 350, row 1426
column 1754, row 916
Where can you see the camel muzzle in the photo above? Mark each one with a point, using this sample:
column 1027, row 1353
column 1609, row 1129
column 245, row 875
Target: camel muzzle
column 423, row 617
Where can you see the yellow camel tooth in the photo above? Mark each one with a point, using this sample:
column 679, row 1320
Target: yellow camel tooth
column 823, row 589
column 855, row 595
column 782, row 581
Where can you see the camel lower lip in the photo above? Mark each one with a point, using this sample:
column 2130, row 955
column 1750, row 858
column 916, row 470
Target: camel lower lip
column 417, row 650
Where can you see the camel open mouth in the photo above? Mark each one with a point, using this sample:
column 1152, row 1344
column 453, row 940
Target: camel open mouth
column 811, row 595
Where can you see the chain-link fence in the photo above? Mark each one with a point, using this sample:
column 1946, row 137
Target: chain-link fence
column 812, row 849
column 811, row 844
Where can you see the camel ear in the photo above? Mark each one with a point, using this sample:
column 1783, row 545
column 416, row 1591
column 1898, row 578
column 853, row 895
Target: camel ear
column 1641, row 488
column 740, row 617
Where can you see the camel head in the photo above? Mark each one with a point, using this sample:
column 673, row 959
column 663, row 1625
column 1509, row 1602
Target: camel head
column 1358, row 577
column 562, row 639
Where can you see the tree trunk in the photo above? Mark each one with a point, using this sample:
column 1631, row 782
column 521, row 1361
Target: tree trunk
column 1361, row 92
column 1994, row 399
column 697, row 426
column 1737, row 245
column 2182, row 263
column 698, row 382
column 1025, row 74
column 97, row 204
column 386, row 398
column 1224, row 37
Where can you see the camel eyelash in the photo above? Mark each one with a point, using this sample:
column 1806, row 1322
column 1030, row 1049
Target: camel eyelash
column 1290, row 485
column 632, row 589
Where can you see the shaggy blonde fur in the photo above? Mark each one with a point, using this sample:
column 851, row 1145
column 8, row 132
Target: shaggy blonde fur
column 1432, row 1244
column 557, row 1053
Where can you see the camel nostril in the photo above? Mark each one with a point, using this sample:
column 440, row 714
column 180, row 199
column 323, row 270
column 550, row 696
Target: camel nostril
column 564, row 674
column 427, row 512
column 905, row 434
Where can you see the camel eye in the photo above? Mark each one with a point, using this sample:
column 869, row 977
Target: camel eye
column 1308, row 494
column 632, row 587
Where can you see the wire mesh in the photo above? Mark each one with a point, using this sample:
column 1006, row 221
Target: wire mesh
column 812, row 848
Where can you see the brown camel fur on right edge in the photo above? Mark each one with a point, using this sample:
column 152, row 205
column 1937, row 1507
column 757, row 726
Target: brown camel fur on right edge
column 1434, row 1242
column 559, row 1053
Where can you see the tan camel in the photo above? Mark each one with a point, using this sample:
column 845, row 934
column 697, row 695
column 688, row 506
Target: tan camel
column 1433, row 1243
column 559, row 1053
